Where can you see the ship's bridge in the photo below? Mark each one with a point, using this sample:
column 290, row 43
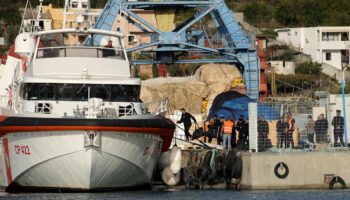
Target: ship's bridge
column 75, row 53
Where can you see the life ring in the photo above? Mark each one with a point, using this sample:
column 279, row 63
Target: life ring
column 24, row 64
column 335, row 180
column 281, row 165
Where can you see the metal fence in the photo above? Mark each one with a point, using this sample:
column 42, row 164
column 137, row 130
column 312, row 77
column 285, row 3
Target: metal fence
column 298, row 126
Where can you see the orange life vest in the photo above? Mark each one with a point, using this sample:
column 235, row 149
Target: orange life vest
column 228, row 125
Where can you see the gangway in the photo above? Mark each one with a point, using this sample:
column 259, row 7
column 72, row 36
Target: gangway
column 233, row 45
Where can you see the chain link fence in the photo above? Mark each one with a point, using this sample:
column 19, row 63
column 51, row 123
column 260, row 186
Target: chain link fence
column 298, row 126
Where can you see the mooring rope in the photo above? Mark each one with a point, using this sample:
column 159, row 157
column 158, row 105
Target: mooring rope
column 212, row 159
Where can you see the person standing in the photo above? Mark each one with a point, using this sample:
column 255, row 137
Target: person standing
column 324, row 128
column 338, row 131
column 108, row 49
column 321, row 129
column 310, row 129
column 242, row 132
column 207, row 126
column 186, row 119
column 263, row 131
column 246, row 135
column 318, row 130
column 291, row 128
column 219, row 136
column 214, row 128
column 280, row 126
column 227, row 132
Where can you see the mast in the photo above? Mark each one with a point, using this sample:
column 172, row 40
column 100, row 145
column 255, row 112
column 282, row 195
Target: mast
column 39, row 14
column 32, row 27
column 77, row 14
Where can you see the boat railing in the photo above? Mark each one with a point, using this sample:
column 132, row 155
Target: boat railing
column 6, row 102
column 89, row 111
column 80, row 51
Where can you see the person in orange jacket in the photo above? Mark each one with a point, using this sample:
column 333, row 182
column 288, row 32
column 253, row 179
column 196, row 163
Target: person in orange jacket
column 227, row 132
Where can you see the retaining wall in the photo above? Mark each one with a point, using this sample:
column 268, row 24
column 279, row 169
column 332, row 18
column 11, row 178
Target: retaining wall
column 307, row 170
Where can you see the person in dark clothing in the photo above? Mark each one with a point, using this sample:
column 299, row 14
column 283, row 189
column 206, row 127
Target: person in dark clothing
column 186, row 119
column 214, row 128
column 310, row 129
column 219, row 135
column 321, row 129
column 234, row 136
column 291, row 128
column 246, row 131
column 241, row 127
column 263, row 131
column 338, row 131
column 281, row 127
column 207, row 126
column 108, row 50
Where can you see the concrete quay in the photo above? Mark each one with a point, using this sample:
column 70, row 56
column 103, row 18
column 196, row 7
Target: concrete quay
column 306, row 170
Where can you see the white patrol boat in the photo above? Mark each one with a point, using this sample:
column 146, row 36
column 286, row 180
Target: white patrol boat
column 70, row 115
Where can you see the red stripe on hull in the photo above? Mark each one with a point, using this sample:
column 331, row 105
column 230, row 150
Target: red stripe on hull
column 2, row 118
column 7, row 160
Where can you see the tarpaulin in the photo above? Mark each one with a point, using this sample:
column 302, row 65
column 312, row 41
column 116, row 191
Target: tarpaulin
column 233, row 104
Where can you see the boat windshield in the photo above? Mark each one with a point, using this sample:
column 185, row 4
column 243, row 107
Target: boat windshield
column 80, row 45
column 80, row 92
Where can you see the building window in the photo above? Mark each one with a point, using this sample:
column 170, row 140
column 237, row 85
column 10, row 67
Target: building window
column 74, row 4
column 330, row 36
column 84, row 5
column 132, row 39
column 41, row 24
column 328, row 56
column 344, row 36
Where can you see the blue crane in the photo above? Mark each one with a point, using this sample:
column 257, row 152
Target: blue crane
column 234, row 45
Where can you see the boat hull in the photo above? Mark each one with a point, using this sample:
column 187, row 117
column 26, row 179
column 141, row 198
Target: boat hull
column 71, row 160
column 96, row 157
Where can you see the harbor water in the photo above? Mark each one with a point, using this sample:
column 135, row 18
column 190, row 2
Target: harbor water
column 191, row 194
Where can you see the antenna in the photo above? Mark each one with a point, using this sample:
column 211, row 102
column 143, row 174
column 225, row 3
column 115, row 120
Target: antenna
column 78, row 12
column 39, row 13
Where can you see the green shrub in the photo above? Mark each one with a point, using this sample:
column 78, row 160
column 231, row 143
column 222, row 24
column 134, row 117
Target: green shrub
column 308, row 68
column 155, row 70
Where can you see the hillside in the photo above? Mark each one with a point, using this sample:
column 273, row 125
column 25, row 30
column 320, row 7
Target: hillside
column 293, row 13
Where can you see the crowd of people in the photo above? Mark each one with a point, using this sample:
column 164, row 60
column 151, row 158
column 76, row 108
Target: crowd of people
column 235, row 134
column 227, row 132
column 318, row 130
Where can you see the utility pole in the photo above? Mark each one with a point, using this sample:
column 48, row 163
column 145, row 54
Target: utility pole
column 273, row 81
column 347, row 46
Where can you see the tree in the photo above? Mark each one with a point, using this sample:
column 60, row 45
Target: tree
column 155, row 71
column 258, row 12
column 308, row 68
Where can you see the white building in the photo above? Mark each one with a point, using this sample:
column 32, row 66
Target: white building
column 283, row 67
column 328, row 45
